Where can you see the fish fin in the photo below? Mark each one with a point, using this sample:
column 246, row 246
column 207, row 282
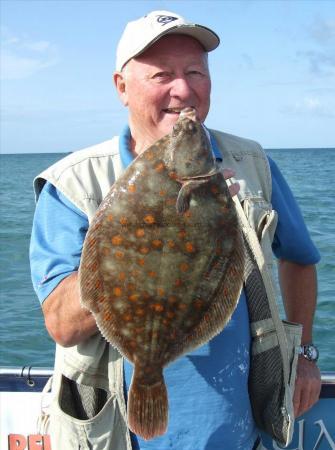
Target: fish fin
column 147, row 407
column 184, row 195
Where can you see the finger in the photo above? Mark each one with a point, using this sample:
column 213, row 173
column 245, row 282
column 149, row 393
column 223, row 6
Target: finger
column 234, row 189
column 228, row 173
column 296, row 400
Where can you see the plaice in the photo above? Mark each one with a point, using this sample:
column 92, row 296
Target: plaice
column 162, row 263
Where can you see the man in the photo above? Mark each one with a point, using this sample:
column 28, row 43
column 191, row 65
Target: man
column 162, row 67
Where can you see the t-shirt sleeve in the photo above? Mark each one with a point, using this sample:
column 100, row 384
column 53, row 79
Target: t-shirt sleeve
column 58, row 233
column 292, row 240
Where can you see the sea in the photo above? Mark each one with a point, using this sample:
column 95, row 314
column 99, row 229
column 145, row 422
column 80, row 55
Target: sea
column 24, row 340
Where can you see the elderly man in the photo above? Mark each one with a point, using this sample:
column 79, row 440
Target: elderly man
column 162, row 67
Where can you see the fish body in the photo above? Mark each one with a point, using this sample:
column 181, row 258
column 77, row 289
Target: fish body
column 162, row 263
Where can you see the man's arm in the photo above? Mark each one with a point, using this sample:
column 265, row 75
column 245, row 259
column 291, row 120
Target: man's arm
column 67, row 322
column 299, row 290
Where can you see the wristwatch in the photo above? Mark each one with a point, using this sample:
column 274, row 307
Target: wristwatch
column 309, row 351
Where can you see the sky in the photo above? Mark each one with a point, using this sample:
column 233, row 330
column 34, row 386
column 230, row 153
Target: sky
column 273, row 75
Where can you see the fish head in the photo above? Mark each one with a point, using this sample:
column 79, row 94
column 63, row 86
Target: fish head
column 190, row 150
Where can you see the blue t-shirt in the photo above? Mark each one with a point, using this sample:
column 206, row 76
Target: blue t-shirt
column 209, row 406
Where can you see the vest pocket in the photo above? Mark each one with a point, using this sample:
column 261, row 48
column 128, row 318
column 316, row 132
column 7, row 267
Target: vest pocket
column 270, row 394
column 86, row 418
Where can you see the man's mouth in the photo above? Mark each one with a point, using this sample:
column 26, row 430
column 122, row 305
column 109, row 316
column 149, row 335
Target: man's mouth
column 175, row 111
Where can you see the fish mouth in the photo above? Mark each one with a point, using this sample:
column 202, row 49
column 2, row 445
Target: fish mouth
column 206, row 176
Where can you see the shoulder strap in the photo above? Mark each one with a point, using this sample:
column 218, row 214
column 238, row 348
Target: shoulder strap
column 256, row 263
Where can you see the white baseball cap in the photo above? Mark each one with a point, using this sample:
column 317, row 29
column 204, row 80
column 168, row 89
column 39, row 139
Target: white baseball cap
column 142, row 33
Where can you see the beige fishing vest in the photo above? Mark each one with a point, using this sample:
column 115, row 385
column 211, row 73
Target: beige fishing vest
column 95, row 367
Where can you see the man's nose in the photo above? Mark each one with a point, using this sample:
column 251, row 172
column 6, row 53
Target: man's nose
column 180, row 88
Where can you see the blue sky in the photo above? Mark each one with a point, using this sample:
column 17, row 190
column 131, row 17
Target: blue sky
column 273, row 74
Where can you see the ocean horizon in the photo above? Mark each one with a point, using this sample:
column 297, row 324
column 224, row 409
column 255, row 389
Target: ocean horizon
column 23, row 338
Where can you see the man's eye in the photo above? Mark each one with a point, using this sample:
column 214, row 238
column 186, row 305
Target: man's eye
column 161, row 75
column 195, row 72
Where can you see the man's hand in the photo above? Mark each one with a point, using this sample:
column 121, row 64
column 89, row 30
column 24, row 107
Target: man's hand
column 233, row 187
column 307, row 386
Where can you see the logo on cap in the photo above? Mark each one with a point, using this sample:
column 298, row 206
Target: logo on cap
column 166, row 19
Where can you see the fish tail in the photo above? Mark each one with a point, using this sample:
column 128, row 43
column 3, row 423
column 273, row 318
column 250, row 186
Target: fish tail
column 147, row 407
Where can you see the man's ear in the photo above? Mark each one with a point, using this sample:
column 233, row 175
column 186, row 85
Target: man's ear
column 121, row 86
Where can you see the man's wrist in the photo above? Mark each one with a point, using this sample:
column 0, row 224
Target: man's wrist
column 309, row 352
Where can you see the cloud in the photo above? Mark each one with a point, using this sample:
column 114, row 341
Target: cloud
column 322, row 31
column 309, row 106
column 321, row 58
column 247, row 61
column 321, row 62
column 22, row 57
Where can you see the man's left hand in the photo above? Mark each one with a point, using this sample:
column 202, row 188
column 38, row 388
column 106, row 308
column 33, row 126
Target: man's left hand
column 307, row 386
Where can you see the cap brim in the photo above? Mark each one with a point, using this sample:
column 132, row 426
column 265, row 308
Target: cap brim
column 206, row 37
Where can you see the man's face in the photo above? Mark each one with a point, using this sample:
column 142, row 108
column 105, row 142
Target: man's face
column 172, row 74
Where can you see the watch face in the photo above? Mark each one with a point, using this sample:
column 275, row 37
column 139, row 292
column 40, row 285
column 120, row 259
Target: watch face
column 311, row 353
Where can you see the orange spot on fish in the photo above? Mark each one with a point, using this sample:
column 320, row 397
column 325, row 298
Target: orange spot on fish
column 98, row 284
column 122, row 276
column 141, row 261
column 107, row 316
column 157, row 307
column 117, row 240
column 171, row 243
column 117, row 291
column 172, row 300
column 110, row 217
column 184, row 267
column 187, row 214
column 149, row 219
column 131, row 188
column 127, row 317
column 162, row 193
column 160, row 292
column 139, row 232
column 144, row 250
column 119, row 255
column 160, row 167
column 173, row 175
column 152, row 274
column 123, row 220
column 157, row 243
column 198, row 303
column 189, row 247
column 171, row 201
column 182, row 234
column 131, row 286
column 182, row 306
column 133, row 297
column 139, row 312
column 148, row 155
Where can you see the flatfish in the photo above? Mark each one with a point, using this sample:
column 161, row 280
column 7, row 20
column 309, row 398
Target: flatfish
column 162, row 263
